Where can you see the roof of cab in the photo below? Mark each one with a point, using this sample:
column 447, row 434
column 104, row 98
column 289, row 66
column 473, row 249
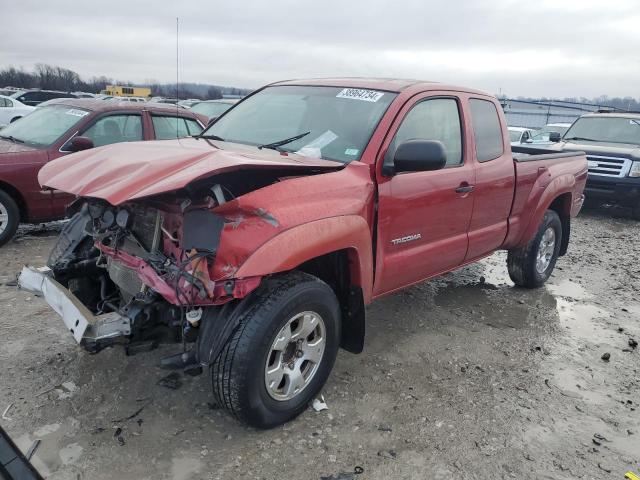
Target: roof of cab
column 97, row 105
column 386, row 84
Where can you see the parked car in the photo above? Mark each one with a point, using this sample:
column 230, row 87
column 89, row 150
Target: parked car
column 34, row 97
column 189, row 102
column 550, row 133
column 212, row 109
column 65, row 126
column 263, row 239
column 612, row 144
column 128, row 99
column 519, row 135
column 11, row 110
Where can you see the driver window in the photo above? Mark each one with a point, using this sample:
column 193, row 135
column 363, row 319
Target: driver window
column 115, row 129
column 436, row 119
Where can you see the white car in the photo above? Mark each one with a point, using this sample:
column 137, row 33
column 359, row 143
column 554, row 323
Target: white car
column 11, row 110
column 542, row 136
column 519, row 135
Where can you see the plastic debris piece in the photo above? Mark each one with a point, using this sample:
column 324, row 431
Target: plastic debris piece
column 6, row 410
column 319, row 404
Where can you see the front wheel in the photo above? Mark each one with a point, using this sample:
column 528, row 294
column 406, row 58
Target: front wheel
column 282, row 352
column 531, row 266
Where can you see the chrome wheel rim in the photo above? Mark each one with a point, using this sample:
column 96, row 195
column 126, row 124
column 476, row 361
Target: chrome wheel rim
column 546, row 249
column 4, row 218
column 295, row 355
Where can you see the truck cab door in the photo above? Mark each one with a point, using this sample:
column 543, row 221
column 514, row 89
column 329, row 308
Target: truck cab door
column 423, row 217
column 495, row 180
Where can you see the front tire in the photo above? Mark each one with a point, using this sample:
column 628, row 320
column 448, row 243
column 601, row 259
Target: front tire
column 282, row 352
column 532, row 265
column 9, row 217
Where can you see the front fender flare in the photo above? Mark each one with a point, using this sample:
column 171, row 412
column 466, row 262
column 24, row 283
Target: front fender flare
column 302, row 243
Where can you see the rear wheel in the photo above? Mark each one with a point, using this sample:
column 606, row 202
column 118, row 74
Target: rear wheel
column 282, row 352
column 14, row 119
column 532, row 265
column 9, row 217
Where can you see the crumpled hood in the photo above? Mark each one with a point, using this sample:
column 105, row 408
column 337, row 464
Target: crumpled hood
column 126, row 171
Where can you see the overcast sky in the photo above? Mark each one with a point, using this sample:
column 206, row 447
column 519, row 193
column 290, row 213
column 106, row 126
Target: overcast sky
column 553, row 48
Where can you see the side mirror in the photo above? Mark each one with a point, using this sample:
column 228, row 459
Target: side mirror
column 554, row 137
column 78, row 144
column 419, row 156
column 212, row 120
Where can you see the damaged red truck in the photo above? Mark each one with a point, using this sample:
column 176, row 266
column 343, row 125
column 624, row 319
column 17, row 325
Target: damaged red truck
column 258, row 243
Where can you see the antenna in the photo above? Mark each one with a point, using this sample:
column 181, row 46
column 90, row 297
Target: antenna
column 177, row 79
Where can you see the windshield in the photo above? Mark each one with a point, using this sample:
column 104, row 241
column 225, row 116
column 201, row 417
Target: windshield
column 606, row 130
column 337, row 122
column 514, row 135
column 211, row 109
column 43, row 126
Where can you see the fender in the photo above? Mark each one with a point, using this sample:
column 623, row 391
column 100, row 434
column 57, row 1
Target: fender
column 299, row 244
column 542, row 198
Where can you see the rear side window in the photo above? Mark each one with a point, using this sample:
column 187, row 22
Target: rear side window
column 172, row 127
column 486, row 130
column 115, row 129
column 435, row 119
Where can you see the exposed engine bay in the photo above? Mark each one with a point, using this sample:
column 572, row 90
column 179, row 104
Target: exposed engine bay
column 151, row 261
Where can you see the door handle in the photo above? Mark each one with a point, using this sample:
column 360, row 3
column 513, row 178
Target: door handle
column 464, row 188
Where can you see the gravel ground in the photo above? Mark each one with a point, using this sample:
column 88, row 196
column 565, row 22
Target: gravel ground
column 462, row 377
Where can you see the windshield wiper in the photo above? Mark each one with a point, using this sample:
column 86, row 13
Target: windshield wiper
column 581, row 138
column 209, row 137
column 276, row 145
column 12, row 138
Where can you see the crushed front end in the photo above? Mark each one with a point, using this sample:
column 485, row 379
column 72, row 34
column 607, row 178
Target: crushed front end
column 140, row 273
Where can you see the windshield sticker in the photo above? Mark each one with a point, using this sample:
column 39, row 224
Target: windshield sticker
column 360, row 94
column 351, row 151
column 314, row 148
column 76, row 113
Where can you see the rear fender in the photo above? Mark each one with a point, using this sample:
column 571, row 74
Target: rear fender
column 302, row 243
column 559, row 190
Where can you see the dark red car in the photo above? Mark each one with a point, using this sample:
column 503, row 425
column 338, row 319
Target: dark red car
column 65, row 126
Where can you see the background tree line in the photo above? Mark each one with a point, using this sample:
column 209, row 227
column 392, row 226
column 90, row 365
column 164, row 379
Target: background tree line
column 51, row 77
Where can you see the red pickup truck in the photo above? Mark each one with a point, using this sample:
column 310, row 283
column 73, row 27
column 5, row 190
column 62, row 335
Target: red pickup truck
column 258, row 243
column 69, row 125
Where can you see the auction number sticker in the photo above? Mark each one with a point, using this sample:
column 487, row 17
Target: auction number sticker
column 360, row 94
column 76, row 113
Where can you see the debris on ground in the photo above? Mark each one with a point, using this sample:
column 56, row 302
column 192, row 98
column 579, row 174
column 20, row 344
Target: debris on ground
column 118, row 436
column 319, row 404
column 391, row 454
column 606, row 356
column 6, row 410
column 345, row 475
column 171, row 381
column 130, row 417
column 32, row 449
column 633, row 343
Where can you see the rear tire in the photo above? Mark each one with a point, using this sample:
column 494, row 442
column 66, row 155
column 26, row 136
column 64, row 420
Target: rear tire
column 14, row 119
column 531, row 266
column 264, row 376
column 9, row 217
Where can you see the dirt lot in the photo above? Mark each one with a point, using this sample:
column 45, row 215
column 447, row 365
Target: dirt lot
column 462, row 377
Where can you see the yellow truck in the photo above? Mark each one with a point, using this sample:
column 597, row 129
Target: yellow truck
column 120, row 91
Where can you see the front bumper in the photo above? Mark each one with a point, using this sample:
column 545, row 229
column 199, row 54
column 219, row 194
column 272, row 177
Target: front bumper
column 86, row 328
column 622, row 190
